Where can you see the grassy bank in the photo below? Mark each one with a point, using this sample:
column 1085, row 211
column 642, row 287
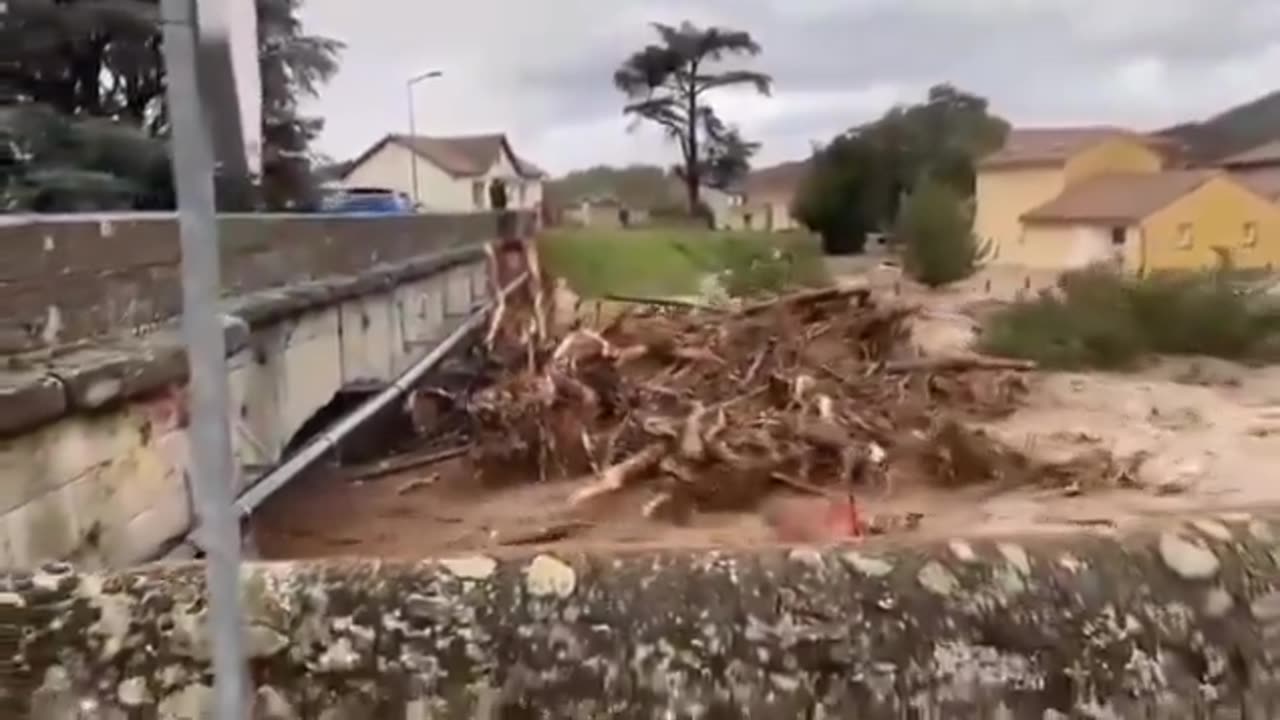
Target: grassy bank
column 1101, row 320
column 673, row 261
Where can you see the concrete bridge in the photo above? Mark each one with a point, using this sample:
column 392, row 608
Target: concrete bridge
column 1180, row 621
column 91, row 393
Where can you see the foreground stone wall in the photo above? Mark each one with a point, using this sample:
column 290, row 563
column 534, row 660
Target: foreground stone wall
column 1178, row 623
column 65, row 278
column 93, row 439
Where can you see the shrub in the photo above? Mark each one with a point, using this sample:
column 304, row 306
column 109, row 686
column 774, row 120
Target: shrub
column 1100, row 319
column 940, row 247
column 749, row 265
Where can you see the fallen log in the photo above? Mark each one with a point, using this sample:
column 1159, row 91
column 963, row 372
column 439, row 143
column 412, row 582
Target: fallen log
column 661, row 302
column 957, row 363
column 407, row 461
column 615, row 477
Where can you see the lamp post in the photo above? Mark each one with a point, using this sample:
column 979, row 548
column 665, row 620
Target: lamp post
column 413, row 131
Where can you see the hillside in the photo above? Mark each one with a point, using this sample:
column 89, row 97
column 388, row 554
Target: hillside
column 1236, row 130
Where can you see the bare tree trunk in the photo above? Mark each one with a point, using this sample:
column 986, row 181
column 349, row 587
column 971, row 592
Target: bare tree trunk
column 692, row 173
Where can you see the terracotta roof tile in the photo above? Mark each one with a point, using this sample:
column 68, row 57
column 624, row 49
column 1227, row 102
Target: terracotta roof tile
column 1124, row 197
column 1264, row 154
column 1264, row 181
column 1054, row 145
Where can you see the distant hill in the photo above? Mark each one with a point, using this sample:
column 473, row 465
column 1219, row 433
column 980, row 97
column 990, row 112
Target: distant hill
column 638, row 186
column 1236, row 130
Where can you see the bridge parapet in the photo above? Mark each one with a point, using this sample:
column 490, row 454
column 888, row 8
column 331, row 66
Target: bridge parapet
column 67, row 278
column 1180, row 622
column 93, row 445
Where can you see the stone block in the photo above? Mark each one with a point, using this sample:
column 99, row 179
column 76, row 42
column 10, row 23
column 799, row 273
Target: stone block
column 308, row 372
column 109, row 497
column 169, row 517
column 367, row 338
column 28, row 400
column 97, row 378
column 45, row 528
column 54, row 455
column 457, row 292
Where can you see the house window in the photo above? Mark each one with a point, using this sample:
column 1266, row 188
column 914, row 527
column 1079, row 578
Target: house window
column 521, row 194
column 1250, row 234
column 1117, row 236
column 477, row 194
column 1186, row 237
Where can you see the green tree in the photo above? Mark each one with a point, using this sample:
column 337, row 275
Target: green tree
column 935, row 228
column 83, row 122
column 840, row 196
column 860, row 178
column 727, row 159
column 293, row 66
column 669, row 83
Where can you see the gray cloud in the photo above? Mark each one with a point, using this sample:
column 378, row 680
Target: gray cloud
column 541, row 70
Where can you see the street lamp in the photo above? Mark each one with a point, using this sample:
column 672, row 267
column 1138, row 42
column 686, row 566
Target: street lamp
column 413, row 131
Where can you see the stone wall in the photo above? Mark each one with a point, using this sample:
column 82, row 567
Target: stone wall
column 65, row 278
column 1181, row 622
column 93, row 440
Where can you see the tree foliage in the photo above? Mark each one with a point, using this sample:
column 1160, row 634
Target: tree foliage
column 668, row 83
column 83, row 122
column 861, row 176
column 293, row 66
column 936, row 230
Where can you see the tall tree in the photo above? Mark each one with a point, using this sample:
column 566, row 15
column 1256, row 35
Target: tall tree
column 83, row 113
column 668, row 83
column 727, row 158
column 860, row 178
column 294, row 66
column 81, row 85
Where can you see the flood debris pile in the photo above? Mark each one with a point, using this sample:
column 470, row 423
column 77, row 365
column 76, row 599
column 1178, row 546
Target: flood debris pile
column 711, row 409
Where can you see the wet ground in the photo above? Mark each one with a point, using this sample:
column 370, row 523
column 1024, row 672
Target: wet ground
column 1204, row 435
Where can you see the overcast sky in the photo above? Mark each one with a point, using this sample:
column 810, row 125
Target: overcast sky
column 541, row 70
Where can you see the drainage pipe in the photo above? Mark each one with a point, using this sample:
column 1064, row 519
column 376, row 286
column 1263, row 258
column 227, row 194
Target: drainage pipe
column 326, row 441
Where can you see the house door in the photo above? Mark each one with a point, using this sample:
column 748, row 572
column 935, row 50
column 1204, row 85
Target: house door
column 1118, row 235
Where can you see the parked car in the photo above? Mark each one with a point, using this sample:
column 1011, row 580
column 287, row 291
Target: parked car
column 367, row 201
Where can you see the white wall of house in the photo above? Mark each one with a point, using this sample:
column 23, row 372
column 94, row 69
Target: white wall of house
column 392, row 167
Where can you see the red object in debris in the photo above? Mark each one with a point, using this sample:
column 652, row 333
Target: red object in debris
column 843, row 518
column 817, row 521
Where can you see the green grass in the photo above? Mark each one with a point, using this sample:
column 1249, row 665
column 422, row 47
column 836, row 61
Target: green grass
column 1102, row 320
column 653, row 262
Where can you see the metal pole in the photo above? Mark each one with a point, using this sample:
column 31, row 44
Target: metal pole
column 413, row 130
column 211, row 470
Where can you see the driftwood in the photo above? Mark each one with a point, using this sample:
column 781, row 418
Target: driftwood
column 407, row 461
column 661, row 302
column 616, row 477
column 716, row 409
column 957, row 363
column 545, row 534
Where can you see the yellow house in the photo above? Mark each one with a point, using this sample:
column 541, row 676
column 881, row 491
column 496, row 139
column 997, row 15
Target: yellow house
column 448, row 174
column 1178, row 219
column 1038, row 164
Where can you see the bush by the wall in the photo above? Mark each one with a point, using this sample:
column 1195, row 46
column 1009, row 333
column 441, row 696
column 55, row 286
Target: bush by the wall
column 935, row 227
column 1100, row 319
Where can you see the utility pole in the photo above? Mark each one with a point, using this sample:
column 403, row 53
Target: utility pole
column 211, row 469
column 413, row 130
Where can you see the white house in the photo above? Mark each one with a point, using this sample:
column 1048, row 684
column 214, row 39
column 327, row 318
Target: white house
column 448, row 174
